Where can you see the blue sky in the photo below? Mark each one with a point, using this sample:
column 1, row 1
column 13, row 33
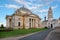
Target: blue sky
column 38, row 7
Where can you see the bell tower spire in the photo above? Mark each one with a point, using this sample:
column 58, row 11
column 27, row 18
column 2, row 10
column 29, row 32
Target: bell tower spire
column 50, row 15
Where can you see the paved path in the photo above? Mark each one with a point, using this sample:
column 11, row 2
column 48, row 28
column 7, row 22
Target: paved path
column 38, row 36
column 54, row 35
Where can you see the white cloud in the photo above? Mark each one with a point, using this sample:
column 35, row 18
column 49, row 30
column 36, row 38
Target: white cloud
column 36, row 6
column 26, row 4
column 47, row 2
column 54, row 7
column 19, row 1
column 41, row 11
column 44, row 10
column 33, row 7
column 11, row 6
column 23, row 2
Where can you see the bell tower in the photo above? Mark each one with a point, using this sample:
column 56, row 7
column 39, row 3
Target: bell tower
column 50, row 17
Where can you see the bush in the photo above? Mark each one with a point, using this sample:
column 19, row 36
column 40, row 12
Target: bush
column 6, row 29
column 9, row 29
column 2, row 26
column 45, row 27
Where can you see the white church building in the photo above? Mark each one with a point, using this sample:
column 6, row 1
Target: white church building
column 51, row 22
column 23, row 18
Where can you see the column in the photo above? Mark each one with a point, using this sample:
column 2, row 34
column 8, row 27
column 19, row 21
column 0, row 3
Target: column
column 34, row 23
column 31, row 23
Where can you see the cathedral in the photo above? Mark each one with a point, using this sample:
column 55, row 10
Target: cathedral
column 23, row 18
column 51, row 23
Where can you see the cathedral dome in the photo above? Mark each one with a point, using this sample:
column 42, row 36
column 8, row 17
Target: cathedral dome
column 24, row 10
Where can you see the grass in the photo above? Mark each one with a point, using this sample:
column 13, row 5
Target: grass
column 19, row 32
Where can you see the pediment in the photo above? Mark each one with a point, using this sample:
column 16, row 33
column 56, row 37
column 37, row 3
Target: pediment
column 33, row 15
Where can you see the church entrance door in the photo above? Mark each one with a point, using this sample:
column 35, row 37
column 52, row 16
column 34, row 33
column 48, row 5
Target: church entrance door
column 51, row 25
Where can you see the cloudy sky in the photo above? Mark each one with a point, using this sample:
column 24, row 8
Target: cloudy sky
column 38, row 7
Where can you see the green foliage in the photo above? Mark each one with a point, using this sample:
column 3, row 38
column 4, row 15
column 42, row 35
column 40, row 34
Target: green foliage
column 4, row 29
column 10, row 28
column 2, row 26
column 46, row 27
column 17, row 32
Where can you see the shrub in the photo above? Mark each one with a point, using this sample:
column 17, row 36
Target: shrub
column 6, row 29
column 45, row 27
column 9, row 29
column 2, row 26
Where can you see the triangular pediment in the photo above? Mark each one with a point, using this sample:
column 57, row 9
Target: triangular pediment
column 33, row 15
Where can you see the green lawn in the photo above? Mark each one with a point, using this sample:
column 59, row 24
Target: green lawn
column 19, row 32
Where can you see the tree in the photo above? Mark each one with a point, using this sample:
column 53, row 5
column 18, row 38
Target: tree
column 2, row 26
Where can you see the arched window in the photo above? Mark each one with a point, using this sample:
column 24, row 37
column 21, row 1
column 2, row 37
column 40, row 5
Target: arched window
column 18, row 23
